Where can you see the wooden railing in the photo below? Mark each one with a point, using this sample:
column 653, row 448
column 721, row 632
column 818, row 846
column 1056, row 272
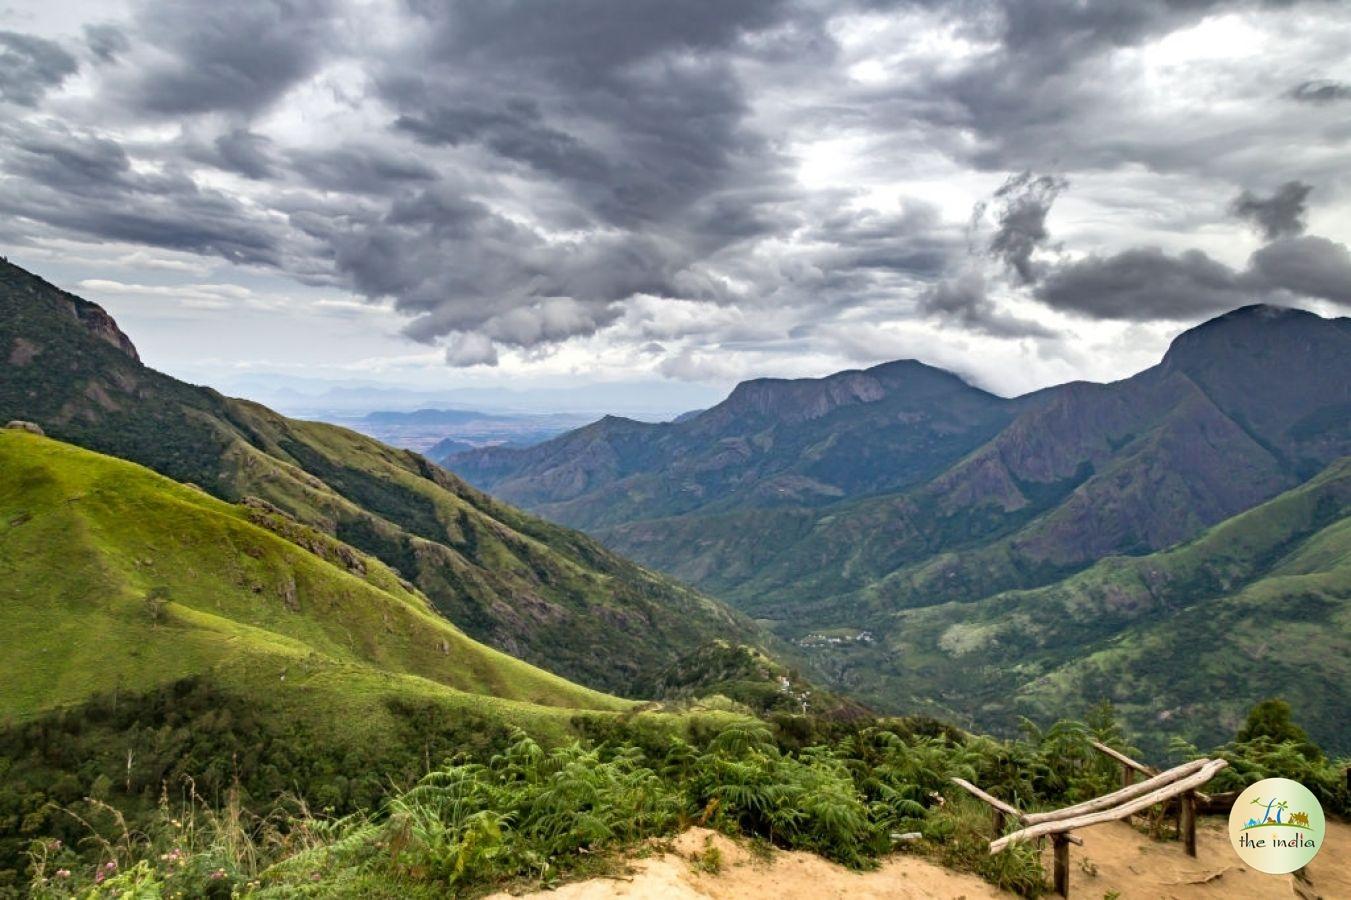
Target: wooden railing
column 1210, row 804
column 1180, row 782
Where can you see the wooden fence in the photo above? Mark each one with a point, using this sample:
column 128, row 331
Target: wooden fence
column 1180, row 782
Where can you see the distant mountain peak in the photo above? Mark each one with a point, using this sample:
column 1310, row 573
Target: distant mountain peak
column 1258, row 326
column 803, row 399
column 1256, row 314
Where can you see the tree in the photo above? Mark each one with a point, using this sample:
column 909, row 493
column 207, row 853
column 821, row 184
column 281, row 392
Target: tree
column 1272, row 719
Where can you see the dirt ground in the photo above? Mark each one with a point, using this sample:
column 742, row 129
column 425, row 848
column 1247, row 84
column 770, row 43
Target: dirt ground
column 1115, row 857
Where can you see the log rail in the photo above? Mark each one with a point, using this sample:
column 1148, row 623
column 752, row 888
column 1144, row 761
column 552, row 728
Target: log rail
column 1180, row 782
column 1182, row 787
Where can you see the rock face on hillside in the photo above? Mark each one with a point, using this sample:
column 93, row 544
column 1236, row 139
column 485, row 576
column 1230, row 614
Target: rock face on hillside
column 26, row 287
column 101, row 325
column 20, row 425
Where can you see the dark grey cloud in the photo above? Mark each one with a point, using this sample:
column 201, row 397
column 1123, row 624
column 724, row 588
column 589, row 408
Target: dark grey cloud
column 964, row 300
column 1276, row 216
column 1021, row 206
column 911, row 241
column 514, row 130
column 632, row 106
column 361, row 169
column 1321, row 90
column 1045, row 90
column 514, row 172
column 1311, row 266
column 30, row 66
column 86, row 185
column 625, row 123
column 244, row 152
column 588, row 41
column 1145, row 283
column 106, row 41
column 457, row 266
column 225, row 57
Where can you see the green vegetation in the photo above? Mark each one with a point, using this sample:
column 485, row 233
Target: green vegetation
column 542, row 593
column 118, row 578
column 1259, row 603
column 747, row 676
column 248, row 685
column 159, row 639
column 507, row 810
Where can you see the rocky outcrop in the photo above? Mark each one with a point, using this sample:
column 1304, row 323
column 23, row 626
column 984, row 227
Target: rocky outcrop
column 98, row 323
column 30, row 427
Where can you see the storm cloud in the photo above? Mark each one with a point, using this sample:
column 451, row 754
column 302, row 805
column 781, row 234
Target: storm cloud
column 30, row 66
column 515, row 178
column 1322, row 90
column 205, row 56
column 964, row 300
column 1308, row 266
column 86, row 185
column 1145, row 283
column 1021, row 206
column 1279, row 215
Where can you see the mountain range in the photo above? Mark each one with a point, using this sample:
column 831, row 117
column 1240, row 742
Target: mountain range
column 844, row 511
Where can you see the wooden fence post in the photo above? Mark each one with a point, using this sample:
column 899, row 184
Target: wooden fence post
column 1187, row 804
column 1061, row 847
column 998, row 821
column 1127, row 776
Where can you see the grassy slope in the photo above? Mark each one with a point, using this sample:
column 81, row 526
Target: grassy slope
column 540, row 592
column 1260, row 604
column 84, row 538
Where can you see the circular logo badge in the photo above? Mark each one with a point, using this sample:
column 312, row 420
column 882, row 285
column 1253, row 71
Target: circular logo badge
column 1276, row 826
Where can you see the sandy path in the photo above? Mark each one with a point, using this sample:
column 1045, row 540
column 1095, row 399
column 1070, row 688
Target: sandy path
column 786, row 876
column 1124, row 861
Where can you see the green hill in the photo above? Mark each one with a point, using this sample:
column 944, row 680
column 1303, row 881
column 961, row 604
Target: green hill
column 1182, row 642
column 540, row 592
column 164, row 646
column 116, row 578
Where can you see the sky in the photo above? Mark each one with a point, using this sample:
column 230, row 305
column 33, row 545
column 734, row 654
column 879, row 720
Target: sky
column 664, row 198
